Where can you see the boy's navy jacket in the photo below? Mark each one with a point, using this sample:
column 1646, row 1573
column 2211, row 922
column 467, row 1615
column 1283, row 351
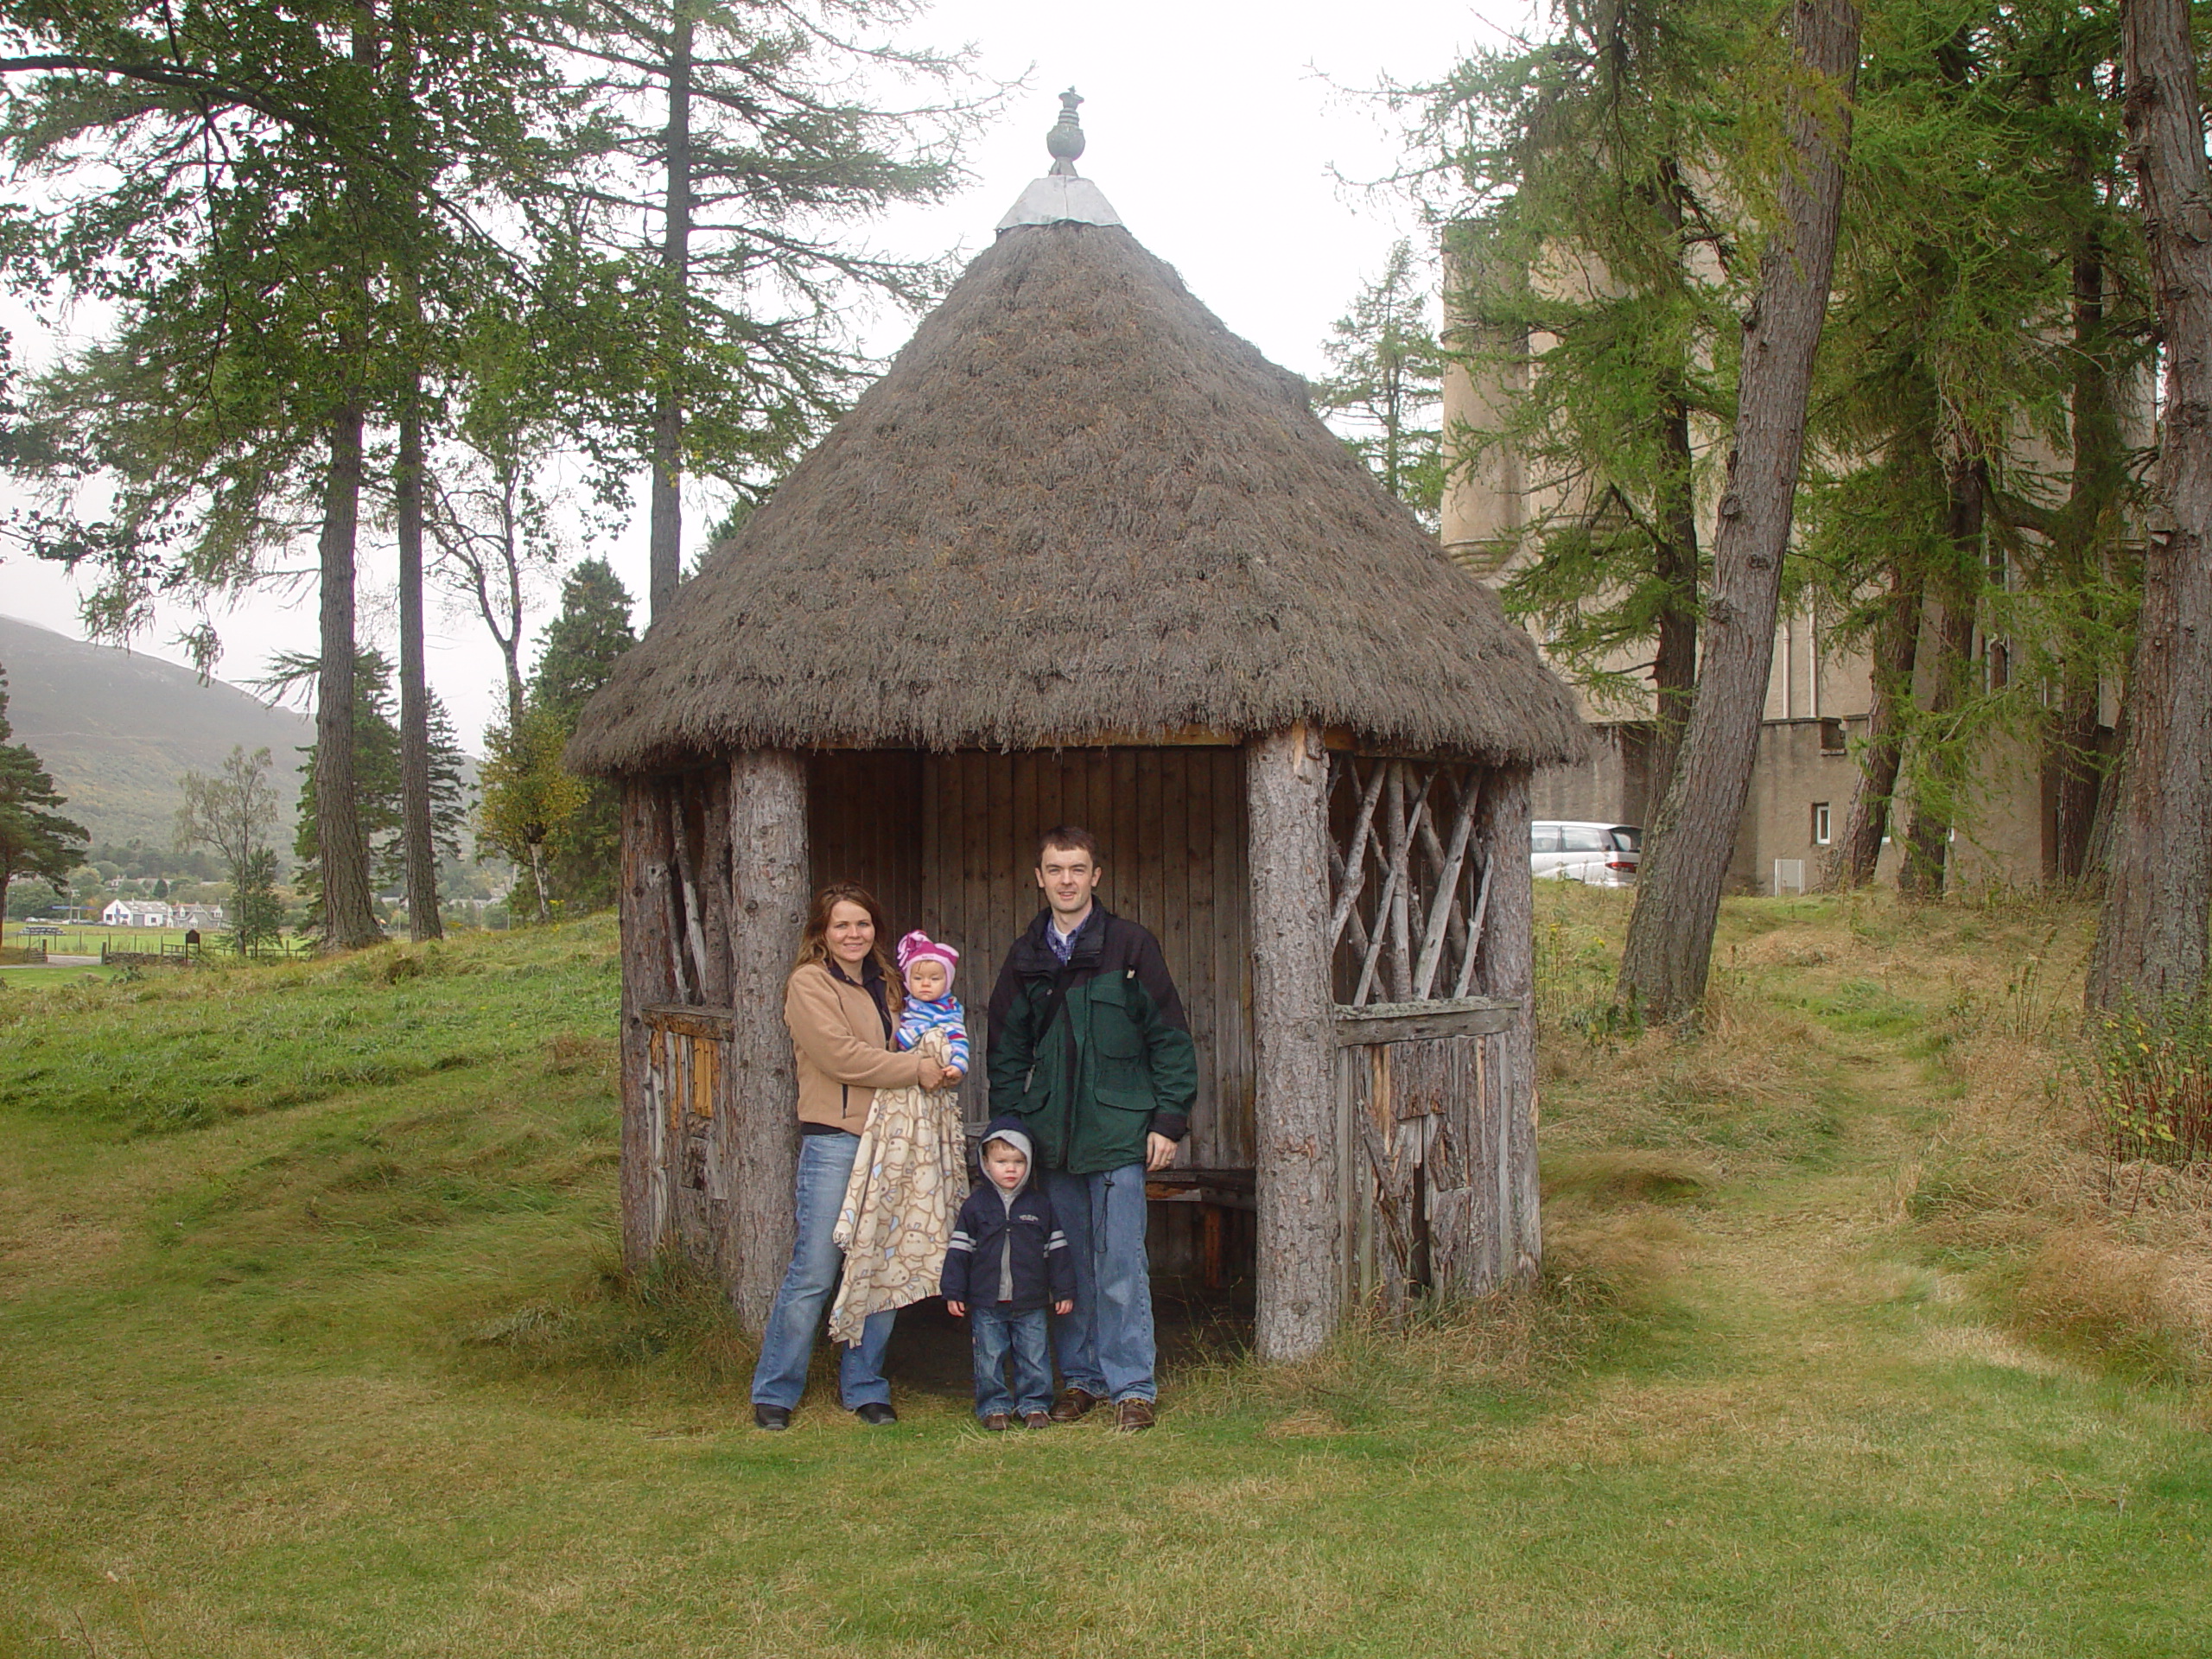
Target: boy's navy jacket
column 1043, row 1266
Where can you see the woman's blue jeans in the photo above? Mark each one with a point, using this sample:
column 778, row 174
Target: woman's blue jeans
column 825, row 1163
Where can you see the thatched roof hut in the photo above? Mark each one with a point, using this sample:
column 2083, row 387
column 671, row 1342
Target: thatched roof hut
column 1083, row 554
column 1076, row 506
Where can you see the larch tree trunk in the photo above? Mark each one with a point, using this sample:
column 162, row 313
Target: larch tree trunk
column 1669, row 946
column 664, row 548
column 1285, row 788
column 1897, row 648
column 1674, row 665
column 348, row 920
column 2097, row 483
column 1940, row 775
column 418, row 843
column 768, row 883
column 2151, row 947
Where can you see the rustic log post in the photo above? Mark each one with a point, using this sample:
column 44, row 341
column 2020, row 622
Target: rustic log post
column 646, row 978
column 1505, row 967
column 1286, row 791
column 768, row 880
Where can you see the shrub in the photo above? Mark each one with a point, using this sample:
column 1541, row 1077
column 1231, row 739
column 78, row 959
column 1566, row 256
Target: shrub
column 2151, row 1085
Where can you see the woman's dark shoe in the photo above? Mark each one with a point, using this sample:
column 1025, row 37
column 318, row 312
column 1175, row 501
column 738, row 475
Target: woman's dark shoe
column 1072, row 1404
column 997, row 1423
column 771, row 1416
column 1037, row 1420
column 876, row 1413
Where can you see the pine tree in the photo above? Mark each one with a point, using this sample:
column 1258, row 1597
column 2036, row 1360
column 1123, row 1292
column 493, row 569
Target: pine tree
column 1386, row 382
column 35, row 840
column 584, row 848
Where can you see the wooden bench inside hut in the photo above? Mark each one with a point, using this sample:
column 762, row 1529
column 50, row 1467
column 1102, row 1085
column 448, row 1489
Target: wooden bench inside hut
column 1083, row 556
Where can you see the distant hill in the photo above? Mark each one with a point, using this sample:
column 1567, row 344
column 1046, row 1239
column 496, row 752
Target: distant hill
column 118, row 730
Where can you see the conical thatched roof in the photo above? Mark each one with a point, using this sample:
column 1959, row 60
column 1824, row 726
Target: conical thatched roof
column 1076, row 506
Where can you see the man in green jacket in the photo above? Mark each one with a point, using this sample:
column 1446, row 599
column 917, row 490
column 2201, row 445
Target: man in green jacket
column 1089, row 1048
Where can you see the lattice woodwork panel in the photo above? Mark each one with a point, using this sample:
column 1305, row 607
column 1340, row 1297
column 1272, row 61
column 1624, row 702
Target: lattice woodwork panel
column 1407, row 889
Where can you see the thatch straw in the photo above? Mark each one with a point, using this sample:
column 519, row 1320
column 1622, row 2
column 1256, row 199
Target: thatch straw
column 1077, row 506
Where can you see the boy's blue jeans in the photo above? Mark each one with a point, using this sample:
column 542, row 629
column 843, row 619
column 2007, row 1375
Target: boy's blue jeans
column 825, row 1163
column 997, row 1331
column 1105, row 1347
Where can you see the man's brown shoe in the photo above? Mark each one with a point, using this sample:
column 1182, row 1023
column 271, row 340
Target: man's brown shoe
column 1072, row 1404
column 998, row 1422
column 1037, row 1420
column 1132, row 1415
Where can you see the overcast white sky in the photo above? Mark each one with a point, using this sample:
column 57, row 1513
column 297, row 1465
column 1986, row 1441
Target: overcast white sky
column 1215, row 128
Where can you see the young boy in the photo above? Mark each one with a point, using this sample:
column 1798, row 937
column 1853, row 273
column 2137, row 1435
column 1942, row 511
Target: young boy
column 1007, row 1260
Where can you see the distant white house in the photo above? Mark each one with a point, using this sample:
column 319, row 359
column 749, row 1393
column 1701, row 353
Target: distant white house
column 201, row 916
column 137, row 912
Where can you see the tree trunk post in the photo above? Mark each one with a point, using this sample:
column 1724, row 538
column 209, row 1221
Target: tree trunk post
column 646, row 978
column 2151, row 948
column 1669, row 946
column 1505, row 966
column 348, row 923
column 1300, row 1288
column 768, row 883
column 1866, row 822
column 419, row 844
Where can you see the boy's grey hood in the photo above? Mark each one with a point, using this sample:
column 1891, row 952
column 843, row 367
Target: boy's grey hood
column 1010, row 1131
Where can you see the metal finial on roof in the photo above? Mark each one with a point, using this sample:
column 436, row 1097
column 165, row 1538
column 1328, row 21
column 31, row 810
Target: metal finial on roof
column 1066, row 139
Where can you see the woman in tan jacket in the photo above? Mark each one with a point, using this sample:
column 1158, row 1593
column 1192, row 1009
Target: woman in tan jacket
column 841, row 1004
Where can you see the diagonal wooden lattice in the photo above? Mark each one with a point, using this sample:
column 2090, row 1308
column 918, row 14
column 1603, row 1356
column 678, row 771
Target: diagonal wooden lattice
column 1408, row 894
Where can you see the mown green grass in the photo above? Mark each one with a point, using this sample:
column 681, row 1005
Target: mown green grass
column 312, row 1343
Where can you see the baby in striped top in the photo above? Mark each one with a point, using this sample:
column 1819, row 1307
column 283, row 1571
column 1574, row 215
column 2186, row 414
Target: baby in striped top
column 927, row 967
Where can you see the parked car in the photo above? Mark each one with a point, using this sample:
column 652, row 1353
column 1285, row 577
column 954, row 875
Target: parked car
column 1601, row 855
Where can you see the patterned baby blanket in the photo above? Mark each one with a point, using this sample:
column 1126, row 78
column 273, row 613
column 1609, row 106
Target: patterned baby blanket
column 909, row 1178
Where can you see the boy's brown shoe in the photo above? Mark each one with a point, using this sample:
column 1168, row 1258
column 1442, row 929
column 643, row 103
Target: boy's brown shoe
column 1037, row 1420
column 1072, row 1404
column 998, row 1422
column 1132, row 1415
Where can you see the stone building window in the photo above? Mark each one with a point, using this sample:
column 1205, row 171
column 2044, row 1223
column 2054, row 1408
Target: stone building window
column 1820, row 827
column 1832, row 740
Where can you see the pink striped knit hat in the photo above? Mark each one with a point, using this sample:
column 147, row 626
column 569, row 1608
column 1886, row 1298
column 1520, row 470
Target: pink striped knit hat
column 917, row 946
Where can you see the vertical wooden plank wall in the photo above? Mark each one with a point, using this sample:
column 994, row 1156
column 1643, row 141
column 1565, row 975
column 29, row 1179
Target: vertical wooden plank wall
column 948, row 842
column 648, row 977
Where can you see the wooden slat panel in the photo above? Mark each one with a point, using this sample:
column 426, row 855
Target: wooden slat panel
column 691, row 1021
column 1388, row 1022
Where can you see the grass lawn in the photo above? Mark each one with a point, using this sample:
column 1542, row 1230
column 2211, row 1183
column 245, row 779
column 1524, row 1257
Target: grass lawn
column 311, row 1341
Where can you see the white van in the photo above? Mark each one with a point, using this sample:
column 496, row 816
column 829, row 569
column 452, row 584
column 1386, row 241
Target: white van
column 1601, row 855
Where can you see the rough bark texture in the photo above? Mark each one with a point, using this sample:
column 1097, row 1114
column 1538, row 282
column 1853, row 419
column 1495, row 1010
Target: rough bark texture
column 768, row 880
column 1505, row 967
column 1897, row 646
column 416, row 842
column 647, row 976
column 1678, row 896
column 342, row 850
column 1674, row 665
column 2151, row 937
column 1285, row 784
column 664, row 545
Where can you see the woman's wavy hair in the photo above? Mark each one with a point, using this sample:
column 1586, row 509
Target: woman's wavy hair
column 814, row 937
